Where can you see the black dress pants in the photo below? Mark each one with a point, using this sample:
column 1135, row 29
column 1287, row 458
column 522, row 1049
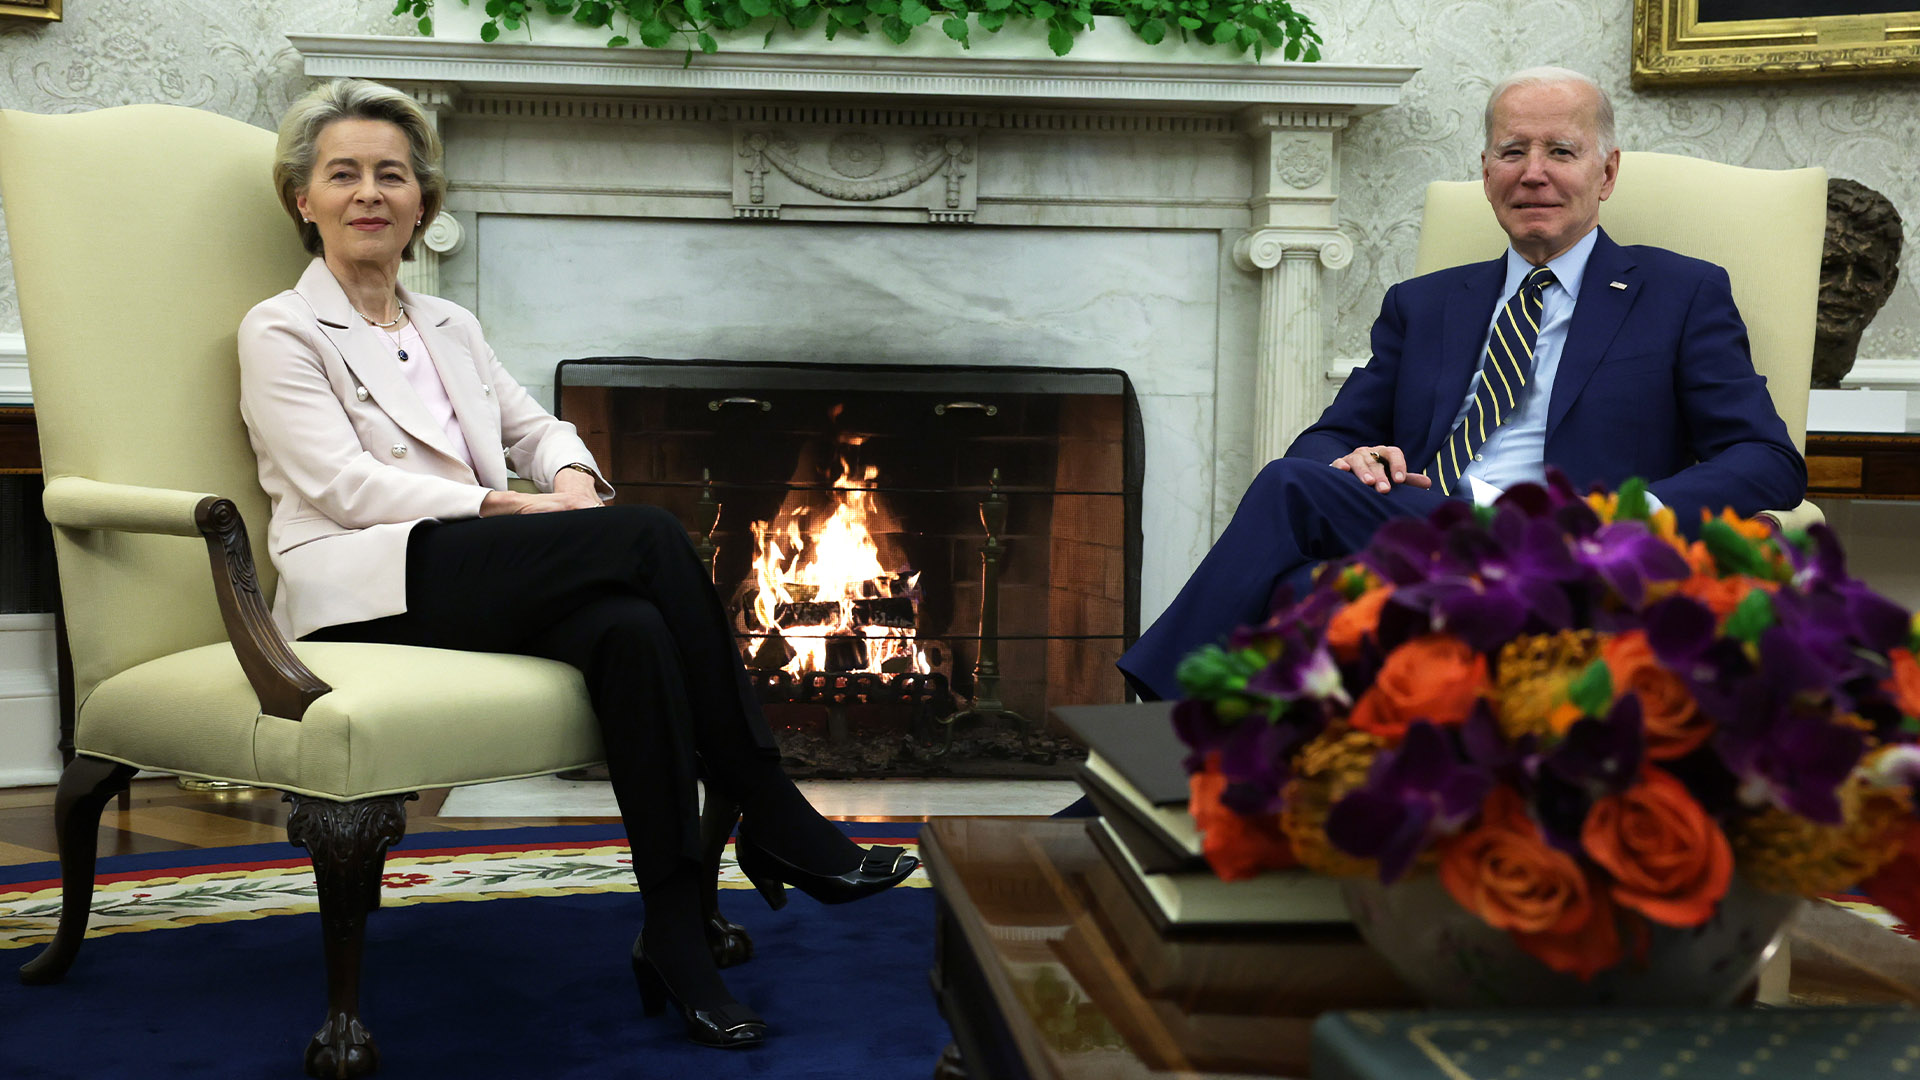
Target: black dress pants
column 617, row 592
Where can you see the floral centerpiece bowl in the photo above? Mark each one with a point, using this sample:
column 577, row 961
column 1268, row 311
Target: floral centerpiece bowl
column 1565, row 755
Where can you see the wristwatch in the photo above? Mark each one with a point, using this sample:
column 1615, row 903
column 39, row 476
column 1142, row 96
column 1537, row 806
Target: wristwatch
column 576, row 465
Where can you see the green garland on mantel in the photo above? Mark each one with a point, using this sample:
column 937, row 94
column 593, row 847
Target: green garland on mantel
column 1259, row 25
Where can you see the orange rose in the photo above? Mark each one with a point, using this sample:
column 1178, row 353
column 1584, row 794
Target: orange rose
column 1436, row 678
column 1751, row 528
column 1675, row 725
column 1669, row 861
column 1720, row 595
column 1236, row 847
column 1585, row 952
column 1356, row 621
column 1512, row 879
column 1905, row 684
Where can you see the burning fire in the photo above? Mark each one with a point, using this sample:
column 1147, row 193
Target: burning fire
column 827, row 594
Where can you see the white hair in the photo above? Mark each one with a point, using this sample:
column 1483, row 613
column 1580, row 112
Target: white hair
column 1557, row 76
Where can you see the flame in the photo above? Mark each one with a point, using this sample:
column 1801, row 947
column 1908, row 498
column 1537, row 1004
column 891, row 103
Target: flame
column 825, row 574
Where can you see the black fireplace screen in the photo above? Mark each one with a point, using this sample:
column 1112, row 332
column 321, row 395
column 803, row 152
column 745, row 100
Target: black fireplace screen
column 920, row 560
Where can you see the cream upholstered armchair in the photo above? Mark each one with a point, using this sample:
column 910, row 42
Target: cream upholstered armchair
column 1764, row 226
column 140, row 236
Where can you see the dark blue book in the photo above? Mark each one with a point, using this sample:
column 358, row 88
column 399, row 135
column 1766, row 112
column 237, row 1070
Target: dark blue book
column 1879, row 1042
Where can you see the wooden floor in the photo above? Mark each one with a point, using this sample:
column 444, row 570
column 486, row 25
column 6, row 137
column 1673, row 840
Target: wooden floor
column 162, row 817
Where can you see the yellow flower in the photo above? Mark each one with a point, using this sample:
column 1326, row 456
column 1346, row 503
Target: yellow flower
column 1531, row 680
column 1325, row 770
column 1783, row 852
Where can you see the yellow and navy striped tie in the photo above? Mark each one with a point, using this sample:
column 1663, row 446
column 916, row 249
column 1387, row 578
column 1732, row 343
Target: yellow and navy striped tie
column 1505, row 377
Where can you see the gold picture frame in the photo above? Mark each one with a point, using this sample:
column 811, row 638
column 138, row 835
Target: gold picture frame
column 31, row 9
column 1770, row 40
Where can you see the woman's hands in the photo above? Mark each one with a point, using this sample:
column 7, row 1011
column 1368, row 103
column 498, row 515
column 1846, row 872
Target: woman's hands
column 572, row 490
column 1381, row 467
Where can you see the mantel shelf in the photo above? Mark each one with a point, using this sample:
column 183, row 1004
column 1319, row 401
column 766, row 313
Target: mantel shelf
column 1353, row 89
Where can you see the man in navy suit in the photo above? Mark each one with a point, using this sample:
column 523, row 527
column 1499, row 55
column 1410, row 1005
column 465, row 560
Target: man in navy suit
column 1640, row 368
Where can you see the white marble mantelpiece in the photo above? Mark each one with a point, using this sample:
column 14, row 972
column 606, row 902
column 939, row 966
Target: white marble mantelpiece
column 1169, row 218
column 992, row 71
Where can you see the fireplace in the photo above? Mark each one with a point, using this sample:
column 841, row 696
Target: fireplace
column 920, row 560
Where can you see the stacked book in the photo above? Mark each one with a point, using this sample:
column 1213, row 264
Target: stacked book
column 1134, row 779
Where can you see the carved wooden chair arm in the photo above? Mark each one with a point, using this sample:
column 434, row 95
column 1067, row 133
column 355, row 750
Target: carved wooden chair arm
column 284, row 685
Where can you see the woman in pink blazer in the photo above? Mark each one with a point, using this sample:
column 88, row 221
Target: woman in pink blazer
column 384, row 428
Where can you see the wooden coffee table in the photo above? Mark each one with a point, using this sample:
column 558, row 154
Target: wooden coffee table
column 1044, row 967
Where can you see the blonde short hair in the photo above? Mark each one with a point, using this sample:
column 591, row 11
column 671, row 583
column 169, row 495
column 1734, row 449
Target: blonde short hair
column 354, row 99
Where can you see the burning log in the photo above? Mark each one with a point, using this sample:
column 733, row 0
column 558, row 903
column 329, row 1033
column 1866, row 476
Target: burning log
column 846, row 652
column 890, row 611
column 773, row 653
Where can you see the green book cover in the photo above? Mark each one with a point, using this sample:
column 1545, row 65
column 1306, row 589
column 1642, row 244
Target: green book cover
column 1865, row 1043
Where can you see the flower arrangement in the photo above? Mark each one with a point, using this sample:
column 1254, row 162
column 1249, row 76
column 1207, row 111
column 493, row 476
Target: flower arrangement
column 1580, row 721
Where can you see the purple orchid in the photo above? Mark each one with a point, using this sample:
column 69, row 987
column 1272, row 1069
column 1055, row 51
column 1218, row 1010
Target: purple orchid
column 1598, row 757
column 1413, row 793
column 1628, row 558
column 1795, row 758
column 1301, row 671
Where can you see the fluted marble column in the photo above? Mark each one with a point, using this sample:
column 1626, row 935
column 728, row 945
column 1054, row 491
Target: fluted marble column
column 1290, row 371
column 1295, row 240
column 443, row 235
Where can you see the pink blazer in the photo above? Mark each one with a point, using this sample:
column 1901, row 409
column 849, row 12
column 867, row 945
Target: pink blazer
column 350, row 457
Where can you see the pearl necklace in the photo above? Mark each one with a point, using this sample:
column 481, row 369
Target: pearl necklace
column 399, row 310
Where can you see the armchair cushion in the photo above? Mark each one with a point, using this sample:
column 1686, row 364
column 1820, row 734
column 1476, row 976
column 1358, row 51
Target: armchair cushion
column 399, row 719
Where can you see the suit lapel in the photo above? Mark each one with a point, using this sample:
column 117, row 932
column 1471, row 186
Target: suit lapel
column 371, row 358
column 1597, row 317
column 460, row 376
column 1463, row 338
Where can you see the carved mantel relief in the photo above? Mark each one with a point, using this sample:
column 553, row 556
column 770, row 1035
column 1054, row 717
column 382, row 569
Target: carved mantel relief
column 827, row 169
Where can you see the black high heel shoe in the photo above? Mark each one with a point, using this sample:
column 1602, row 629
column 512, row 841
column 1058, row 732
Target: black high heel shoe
column 881, row 869
column 733, row 1026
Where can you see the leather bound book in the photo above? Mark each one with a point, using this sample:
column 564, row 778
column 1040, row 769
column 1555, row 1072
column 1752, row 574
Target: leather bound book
column 1866, row 1043
column 1163, row 839
column 1138, row 741
column 1199, row 902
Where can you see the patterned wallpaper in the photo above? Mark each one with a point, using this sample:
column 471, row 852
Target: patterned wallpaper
column 229, row 56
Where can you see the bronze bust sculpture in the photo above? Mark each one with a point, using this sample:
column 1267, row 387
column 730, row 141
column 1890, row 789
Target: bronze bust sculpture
column 1859, row 267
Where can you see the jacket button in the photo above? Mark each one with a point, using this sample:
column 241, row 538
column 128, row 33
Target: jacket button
column 485, row 389
column 360, row 392
column 399, row 450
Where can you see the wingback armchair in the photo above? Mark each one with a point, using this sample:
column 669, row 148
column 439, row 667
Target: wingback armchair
column 140, row 236
column 1764, row 226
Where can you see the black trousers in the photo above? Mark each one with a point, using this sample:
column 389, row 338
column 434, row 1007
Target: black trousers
column 618, row 593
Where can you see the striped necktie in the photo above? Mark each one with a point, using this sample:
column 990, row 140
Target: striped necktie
column 1505, row 376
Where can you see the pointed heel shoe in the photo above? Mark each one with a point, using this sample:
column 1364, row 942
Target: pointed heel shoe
column 733, row 1026
column 881, row 869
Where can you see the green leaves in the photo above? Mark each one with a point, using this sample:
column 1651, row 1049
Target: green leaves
column 1236, row 25
column 1059, row 39
column 1733, row 553
column 1633, row 504
column 1592, row 692
column 1752, row 617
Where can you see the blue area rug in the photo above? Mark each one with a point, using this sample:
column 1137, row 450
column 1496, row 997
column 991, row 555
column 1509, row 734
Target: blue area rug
column 518, row 986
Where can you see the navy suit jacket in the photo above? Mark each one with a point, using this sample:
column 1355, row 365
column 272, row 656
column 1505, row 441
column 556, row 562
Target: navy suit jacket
column 1655, row 380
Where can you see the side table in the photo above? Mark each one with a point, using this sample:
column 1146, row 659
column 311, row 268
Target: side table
column 1848, row 465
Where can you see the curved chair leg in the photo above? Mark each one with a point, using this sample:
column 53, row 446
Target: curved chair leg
column 729, row 940
column 347, row 842
column 86, row 785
